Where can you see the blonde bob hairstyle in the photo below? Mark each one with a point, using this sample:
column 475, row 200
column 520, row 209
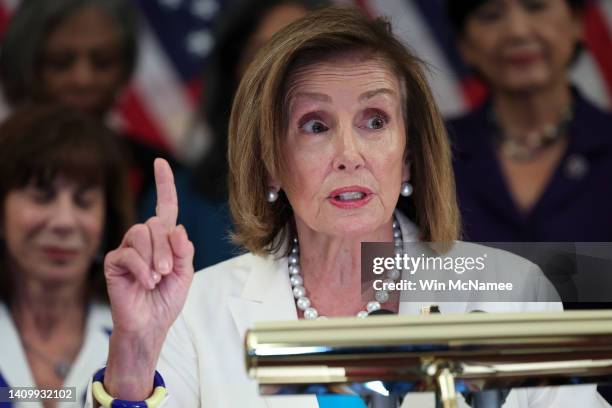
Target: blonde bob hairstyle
column 258, row 125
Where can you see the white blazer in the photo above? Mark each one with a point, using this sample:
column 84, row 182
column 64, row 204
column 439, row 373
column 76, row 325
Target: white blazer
column 15, row 370
column 202, row 360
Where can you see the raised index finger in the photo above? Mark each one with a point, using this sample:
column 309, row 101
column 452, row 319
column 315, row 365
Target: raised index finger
column 167, row 202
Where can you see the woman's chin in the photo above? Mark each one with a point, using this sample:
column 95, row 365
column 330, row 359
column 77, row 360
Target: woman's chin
column 358, row 225
column 54, row 275
column 527, row 82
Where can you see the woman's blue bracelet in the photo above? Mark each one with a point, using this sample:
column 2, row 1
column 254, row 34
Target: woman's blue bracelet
column 107, row 401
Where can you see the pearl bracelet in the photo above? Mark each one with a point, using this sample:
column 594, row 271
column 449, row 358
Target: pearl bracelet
column 106, row 401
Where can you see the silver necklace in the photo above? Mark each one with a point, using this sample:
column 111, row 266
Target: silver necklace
column 299, row 291
column 60, row 367
column 527, row 147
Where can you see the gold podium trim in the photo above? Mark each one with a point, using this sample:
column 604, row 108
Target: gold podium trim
column 483, row 350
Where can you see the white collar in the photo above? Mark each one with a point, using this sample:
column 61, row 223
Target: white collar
column 267, row 293
column 14, row 365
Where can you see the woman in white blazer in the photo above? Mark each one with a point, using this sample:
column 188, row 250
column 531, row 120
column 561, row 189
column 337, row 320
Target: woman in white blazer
column 333, row 128
column 62, row 194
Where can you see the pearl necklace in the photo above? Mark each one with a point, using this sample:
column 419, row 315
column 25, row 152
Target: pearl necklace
column 299, row 292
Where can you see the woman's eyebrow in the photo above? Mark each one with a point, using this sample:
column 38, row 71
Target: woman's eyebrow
column 370, row 94
column 293, row 98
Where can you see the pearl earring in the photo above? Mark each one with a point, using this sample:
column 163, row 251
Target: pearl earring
column 406, row 190
column 272, row 195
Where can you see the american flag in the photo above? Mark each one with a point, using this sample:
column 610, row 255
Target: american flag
column 176, row 37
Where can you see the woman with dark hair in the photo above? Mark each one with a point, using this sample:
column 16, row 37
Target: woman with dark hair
column 80, row 53
column 64, row 201
column 533, row 163
column 240, row 33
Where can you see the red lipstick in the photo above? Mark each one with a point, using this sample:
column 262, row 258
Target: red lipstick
column 59, row 254
column 350, row 197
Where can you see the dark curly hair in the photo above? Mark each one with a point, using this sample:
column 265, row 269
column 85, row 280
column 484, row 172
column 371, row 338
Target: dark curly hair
column 28, row 27
column 39, row 142
column 459, row 10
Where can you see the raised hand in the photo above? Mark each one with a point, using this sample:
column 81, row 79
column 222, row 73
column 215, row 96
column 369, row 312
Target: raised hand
column 148, row 278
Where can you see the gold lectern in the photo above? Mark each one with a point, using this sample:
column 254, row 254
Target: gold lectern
column 465, row 353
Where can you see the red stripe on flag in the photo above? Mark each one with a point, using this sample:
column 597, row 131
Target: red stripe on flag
column 365, row 6
column 139, row 123
column 474, row 91
column 194, row 90
column 4, row 19
column 598, row 40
